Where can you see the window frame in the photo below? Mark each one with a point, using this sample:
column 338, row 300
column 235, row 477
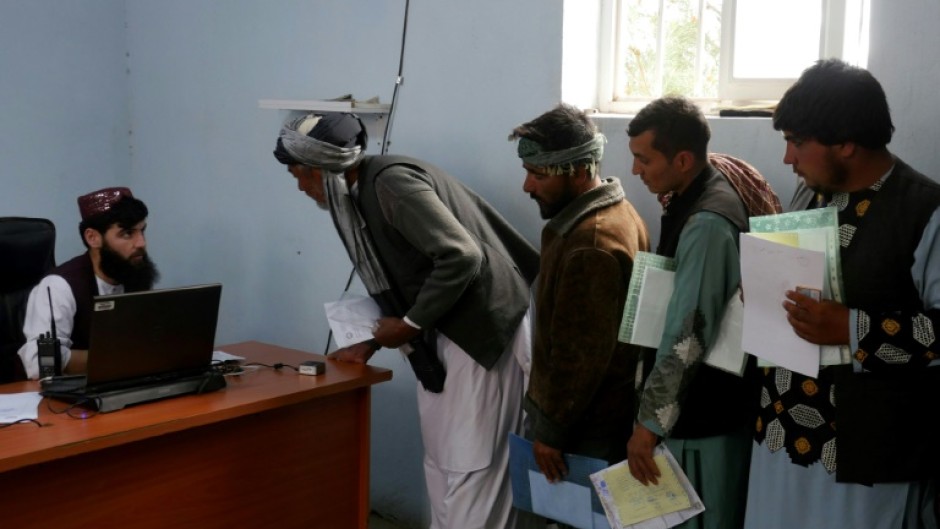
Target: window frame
column 731, row 91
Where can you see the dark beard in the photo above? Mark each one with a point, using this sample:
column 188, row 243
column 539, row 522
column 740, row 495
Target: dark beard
column 549, row 211
column 134, row 277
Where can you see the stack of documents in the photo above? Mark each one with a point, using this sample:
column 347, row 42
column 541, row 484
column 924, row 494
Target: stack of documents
column 782, row 252
column 630, row 504
column 813, row 229
column 768, row 270
column 595, row 495
column 571, row 501
column 644, row 313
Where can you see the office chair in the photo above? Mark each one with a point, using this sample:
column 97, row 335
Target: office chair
column 27, row 253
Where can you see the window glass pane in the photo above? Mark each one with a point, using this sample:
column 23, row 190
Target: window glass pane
column 689, row 62
column 775, row 38
column 681, row 47
column 711, row 49
column 638, row 74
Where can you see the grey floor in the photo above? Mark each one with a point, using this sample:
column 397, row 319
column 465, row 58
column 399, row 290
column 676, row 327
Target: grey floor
column 377, row 522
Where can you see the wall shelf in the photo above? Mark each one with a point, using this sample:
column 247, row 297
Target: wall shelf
column 324, row 105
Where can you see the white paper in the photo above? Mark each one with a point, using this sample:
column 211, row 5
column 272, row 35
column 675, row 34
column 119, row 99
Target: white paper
column 352, row 318
column 563, row 501
column 19, row 406
column 222, row 356
column 658, row 285
column 727, row 353
column 768, row 270
column 651, row 308
column 635, row 493
column 818, row 239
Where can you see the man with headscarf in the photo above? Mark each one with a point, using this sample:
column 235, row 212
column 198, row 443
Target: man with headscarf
column 116, row 261
column 580, row 396
column 452, row 279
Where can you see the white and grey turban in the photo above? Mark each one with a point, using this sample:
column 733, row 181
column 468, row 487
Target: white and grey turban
column 312, row 140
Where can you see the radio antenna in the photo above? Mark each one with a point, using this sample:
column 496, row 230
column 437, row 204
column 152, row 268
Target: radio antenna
column 51, row 314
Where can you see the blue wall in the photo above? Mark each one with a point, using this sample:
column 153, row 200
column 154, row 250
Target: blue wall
column 163, row 97
column 64, row 108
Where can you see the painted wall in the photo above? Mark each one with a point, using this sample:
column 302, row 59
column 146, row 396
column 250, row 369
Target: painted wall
column 163, row 97
column 64, row 116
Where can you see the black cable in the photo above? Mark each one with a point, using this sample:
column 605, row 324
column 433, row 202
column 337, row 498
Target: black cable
column 21, row 421
column 277, row 367
column 388, row 131
column 398, row 81
column 75, row 410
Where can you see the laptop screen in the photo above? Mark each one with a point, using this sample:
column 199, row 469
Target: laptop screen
column 156, row 332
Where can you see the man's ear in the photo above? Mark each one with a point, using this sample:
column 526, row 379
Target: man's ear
column 581, row 175
column 847, row 149
column 92, row 237
column 684, row 160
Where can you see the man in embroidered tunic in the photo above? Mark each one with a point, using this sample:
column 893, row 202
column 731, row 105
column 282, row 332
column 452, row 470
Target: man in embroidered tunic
column 112, row 229
column 871, row 421
column 580, row 397
column 702, row 412
column 451, row 276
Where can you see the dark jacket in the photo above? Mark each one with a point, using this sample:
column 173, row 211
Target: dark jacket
column 582, row 381
column 480, row 313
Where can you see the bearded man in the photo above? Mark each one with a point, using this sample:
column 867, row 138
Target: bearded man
column 116, row 261
column 580, row 397
column 452, row 279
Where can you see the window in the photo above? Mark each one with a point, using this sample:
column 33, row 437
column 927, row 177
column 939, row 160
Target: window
column 717, row 52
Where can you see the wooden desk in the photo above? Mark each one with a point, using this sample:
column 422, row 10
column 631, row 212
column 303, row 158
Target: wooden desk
column 273, row 449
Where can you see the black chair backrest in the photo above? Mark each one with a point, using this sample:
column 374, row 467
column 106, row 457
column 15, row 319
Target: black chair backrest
column 27, row 253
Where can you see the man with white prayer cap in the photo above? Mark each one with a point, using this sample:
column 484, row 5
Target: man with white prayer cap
column 116, row 261
column 452, row 279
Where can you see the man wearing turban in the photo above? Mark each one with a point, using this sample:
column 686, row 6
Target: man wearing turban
column 452, row 279
column 116, row 261
column 580, row 396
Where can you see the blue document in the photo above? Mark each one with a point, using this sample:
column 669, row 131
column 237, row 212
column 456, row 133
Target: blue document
column 572, row 501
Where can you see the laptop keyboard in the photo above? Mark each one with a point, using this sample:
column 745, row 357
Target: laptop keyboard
column 66, row 384
column 73, row 384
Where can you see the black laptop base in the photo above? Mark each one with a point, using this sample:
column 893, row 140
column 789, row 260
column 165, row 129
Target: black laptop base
column 117, row 399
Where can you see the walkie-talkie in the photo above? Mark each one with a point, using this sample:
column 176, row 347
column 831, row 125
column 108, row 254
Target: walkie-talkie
column 50, row 354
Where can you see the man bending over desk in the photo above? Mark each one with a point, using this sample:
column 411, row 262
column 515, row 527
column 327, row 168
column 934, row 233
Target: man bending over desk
column 116, row 261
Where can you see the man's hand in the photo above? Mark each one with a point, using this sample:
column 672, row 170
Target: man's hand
column 393, row 332
column 820, row 322
column 358, row 353
column 549, row 461
column 640, row 455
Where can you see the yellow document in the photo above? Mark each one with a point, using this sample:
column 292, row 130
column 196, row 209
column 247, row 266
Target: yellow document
column 636, row 502
column 630, row 504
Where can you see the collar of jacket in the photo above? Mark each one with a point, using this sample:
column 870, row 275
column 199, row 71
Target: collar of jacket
column 608, row 193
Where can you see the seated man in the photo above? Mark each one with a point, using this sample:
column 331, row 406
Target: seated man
column 112, row 229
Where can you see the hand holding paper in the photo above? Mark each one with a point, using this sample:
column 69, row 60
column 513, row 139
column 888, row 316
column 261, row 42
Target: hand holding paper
column 768, row 270
column 820, row 322
column 352, row 318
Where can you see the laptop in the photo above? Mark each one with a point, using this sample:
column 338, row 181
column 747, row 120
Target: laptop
column 146, row 346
